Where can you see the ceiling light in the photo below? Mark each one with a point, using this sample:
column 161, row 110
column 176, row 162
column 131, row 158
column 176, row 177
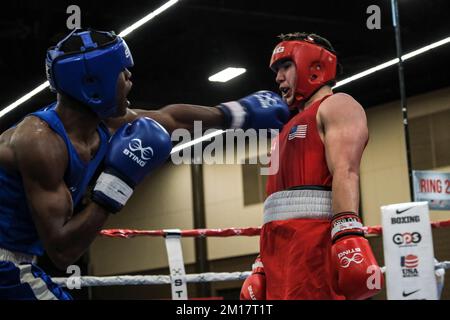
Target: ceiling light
column 226, row 74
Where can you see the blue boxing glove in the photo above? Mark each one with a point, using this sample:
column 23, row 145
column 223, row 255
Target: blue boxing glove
column 135, row 149
column 260, row 110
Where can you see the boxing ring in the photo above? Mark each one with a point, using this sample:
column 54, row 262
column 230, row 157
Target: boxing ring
column 176, row 264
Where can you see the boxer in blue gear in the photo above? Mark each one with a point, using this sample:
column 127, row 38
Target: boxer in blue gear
column 49, row 159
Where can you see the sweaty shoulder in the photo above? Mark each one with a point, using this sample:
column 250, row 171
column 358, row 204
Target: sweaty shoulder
column 39, row 152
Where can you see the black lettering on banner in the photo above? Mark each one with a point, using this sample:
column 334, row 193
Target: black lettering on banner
column 407, row 219
column 398, row 238
column 416, row 237
column 407, row 238
column 178, row 282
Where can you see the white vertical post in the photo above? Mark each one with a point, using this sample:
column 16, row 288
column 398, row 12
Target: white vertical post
column 176, row 264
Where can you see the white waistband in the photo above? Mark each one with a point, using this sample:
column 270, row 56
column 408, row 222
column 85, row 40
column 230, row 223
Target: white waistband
column 16, row 257
column 298, row 204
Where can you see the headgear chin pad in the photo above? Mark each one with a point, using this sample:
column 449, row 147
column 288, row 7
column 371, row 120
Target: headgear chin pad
column 315, row 65
column 90, row 74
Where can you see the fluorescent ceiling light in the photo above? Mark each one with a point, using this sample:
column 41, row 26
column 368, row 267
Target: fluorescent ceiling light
column 227, row 74
column 18, row 102
column 366, row 72
column 147, row 18
column 426, row 48
column 389, row 63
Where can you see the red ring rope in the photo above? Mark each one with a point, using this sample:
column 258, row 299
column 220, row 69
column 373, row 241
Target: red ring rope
column 228, row 232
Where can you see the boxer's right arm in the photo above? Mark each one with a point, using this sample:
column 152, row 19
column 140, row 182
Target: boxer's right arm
column 41, row 158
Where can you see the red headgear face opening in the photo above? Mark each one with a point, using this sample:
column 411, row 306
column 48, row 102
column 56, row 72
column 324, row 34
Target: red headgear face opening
column 315, row 66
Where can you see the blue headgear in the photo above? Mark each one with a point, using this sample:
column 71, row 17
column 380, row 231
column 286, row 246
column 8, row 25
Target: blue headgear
column 89, row 75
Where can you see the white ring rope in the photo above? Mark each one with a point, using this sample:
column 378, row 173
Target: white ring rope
column 442, row 265
column 90, row 281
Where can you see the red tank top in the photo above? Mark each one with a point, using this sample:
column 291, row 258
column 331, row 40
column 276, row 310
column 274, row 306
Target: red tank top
column 301, row 154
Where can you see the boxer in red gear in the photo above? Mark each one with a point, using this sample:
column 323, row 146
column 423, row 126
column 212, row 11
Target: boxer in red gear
column 312, row 243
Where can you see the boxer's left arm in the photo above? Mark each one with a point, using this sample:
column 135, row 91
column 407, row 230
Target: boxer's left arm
column 344, row 128
column 260, row 110
column 345, row 134
column 174, row 116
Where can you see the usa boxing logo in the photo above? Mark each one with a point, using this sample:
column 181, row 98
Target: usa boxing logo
column 136, row 146
column 409, row 264
column 348, row 256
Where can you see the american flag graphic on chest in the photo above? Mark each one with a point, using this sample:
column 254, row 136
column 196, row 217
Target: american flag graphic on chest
column 298, row 131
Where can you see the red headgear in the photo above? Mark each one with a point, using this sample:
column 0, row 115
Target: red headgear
column 315, row 65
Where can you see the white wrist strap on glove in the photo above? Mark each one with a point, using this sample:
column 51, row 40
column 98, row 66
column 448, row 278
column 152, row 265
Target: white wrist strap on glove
column 257, row 264
column 346, row 226
column 114, row 188
column 237, row 114
column 344, row 222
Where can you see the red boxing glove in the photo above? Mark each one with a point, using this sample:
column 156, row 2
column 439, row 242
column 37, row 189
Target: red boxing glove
column 254, row 287
column 358, row 275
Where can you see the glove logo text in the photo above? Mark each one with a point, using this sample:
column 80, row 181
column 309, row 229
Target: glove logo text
column 252, row 294
column 348, row 256
column 136, row 146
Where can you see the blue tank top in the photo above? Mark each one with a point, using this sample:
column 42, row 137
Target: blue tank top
column 17, row 230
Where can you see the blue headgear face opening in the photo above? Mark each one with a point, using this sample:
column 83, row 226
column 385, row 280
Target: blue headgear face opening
column 89, row 75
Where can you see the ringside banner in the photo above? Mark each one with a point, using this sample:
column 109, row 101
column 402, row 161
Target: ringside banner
column 433, row 187
column 408, row 252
